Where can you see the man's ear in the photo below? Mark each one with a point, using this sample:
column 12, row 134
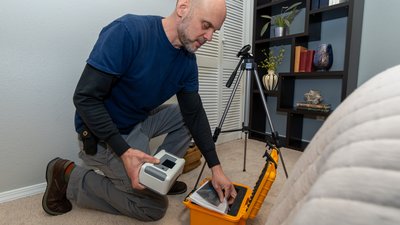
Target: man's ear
column 182, row 8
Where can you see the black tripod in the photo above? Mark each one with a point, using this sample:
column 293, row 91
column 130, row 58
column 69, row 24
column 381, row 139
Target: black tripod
column 247, row 64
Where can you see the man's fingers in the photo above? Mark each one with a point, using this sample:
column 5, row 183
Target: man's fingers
column 150, row 159
column 231, row 198
column 154, row 160
column 137, row 186
column 230, row 194
column 220, row 194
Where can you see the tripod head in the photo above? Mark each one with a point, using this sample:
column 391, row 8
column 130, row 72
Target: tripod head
column 245, row 50
column 244, row 53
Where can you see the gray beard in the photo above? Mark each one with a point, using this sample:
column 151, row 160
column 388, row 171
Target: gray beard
column 183, row 37
column 186, row 43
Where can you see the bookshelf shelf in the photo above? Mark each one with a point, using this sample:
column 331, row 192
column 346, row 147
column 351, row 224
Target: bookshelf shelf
column 313, row 27
column 314, row 75
column 268, row 93
column 284, row 39
column 268, row 4
column 337, row 7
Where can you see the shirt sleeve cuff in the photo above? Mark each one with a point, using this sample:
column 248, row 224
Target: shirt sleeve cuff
column 211, row 158
column 118, row 144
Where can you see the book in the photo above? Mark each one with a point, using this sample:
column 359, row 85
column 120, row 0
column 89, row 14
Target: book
column 303, row 61
column 310, row 105
column 323, row 3
column 334, row 2
column 309, row 60
column 313, row 107
column 207, row 197
column 314, row 4
column 297, row 51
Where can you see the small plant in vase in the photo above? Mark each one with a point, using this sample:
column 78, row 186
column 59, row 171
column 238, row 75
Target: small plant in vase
column 271, row 63
column 281, row 21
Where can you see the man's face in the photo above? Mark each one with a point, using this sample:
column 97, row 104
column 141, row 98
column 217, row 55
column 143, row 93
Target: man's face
column 199, row 26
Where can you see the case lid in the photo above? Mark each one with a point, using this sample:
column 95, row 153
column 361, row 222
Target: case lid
column 263, row 185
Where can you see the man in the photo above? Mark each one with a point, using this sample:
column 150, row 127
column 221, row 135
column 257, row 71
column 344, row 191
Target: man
column 137, row 64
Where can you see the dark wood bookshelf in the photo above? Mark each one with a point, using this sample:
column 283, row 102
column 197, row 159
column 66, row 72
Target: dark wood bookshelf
column 314, row 75
column 340, row 6
column 282, row 40
column 269, row 4
column 314, row 21
column 267, row 93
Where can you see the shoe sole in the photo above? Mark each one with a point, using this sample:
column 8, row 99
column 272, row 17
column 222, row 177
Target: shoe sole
column 49, row 175
column 178, row 192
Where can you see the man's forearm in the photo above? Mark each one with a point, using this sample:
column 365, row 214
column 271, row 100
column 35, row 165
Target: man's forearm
column 92, row 89
column 196, row 120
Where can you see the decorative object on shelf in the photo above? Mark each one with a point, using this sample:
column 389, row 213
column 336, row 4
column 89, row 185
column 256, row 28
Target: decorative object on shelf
column 270, row 80
column 279, row 31
column 323, row 57
column 313, row 101
column 313, row 97
column 271, row 62
column 281, row 21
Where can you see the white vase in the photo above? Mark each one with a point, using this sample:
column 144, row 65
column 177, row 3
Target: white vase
column 270, row 80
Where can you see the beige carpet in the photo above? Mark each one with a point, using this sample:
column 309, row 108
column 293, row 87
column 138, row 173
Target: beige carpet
column 29, row 210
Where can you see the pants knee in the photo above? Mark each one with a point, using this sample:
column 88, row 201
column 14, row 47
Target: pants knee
column 149, row 210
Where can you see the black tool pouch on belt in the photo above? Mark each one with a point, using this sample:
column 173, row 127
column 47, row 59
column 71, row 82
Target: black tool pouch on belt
column 89, row 141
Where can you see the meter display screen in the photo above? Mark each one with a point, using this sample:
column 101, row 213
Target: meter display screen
column 168, row 163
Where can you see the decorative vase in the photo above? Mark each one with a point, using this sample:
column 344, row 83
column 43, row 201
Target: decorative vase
column 279, row 31
column 270, row 80
column 323, row 57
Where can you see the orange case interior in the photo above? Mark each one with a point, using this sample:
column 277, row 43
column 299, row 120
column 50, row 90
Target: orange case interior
column 249, row 206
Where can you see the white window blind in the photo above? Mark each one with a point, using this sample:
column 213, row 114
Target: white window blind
column 217, row 60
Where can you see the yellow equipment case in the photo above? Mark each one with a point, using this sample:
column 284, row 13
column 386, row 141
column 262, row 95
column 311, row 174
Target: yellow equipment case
column 247, row 202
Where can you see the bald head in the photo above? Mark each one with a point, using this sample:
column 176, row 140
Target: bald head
column 194, row 22
column 215, row 10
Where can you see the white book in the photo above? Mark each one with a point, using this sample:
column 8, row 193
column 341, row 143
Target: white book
column 332, row 2
column 207, row 197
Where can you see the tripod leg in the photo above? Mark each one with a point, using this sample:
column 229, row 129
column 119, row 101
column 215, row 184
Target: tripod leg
column 264, row 101
column 246, row 120
column 283, row 163
column 228, row 105
column 273, row 132
column 245, row 151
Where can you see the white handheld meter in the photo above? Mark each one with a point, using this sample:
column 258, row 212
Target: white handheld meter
column 160, row 177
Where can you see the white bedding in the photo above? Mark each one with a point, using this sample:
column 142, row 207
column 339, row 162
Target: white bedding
column 350, row 171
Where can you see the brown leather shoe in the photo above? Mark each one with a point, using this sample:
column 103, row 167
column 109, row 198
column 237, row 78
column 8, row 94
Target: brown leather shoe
column 55, row 200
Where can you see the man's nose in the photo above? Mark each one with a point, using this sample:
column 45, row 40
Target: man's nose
column 209, row 35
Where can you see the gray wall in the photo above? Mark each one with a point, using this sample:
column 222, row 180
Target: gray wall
column 380, row 45
column 43, row 48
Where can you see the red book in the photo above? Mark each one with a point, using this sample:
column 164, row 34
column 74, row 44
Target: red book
column 303, row 61
column 309, row 61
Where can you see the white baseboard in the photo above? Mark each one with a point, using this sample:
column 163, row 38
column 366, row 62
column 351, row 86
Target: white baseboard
column 22, row 192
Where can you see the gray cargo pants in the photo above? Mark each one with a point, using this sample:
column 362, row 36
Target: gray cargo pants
column 112, row 192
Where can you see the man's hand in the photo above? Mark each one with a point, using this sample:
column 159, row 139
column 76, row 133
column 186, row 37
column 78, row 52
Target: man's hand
column 133, row 160
column 222, row 185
